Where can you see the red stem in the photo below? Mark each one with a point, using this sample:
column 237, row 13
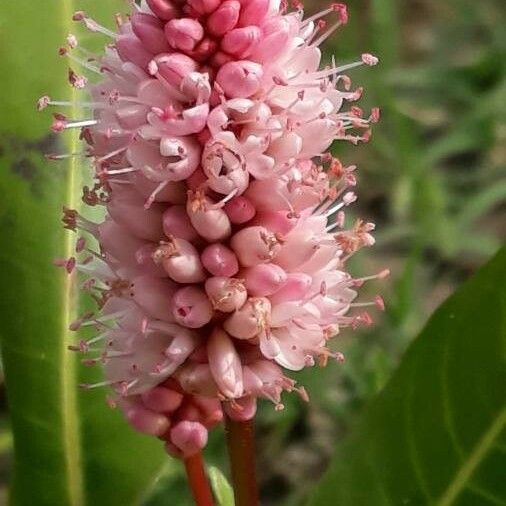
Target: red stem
column 241, row 449
column 197, row 480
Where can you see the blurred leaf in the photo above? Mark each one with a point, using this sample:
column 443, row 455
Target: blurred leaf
column 221, row 487
column 436, row 435
column 481, row 202
column 470, row 133
column 169, row 487
column 70, row 449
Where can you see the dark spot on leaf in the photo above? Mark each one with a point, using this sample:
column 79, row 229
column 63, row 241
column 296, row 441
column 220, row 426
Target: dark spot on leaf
column 12, row 144
column 24, row 156
column 45, row 145
column 25, row 169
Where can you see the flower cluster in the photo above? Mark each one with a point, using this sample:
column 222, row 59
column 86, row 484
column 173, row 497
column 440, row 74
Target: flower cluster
column 221, row 258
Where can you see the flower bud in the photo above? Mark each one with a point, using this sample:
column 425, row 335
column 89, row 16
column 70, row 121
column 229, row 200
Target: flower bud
column 248, row 321
column 210, row 409
column 162, row 400
column 253, row 12
column 164, row 9
column 173, row 67
column 225, row 364
column 211, row 223
column 240, row 78
column 264, row 279
column 197, row 379
column 278, row 222
column 191, row 307
column 176, row 223
column 131, row 49
column 184, row 34
column 189, row 437
column 240, row 42
column 254, row 245
column 224, row 18
column 147, row 422
column 239, row 210
column 226, row 294
column 181, row 261
column 276, row 36
column 149, row 31
column 204, row 49
column 219, row 260
column 204, row 6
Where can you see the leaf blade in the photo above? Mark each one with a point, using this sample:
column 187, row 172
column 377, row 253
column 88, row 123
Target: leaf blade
column 432, row 435
column 221, row 487
column 70, row 449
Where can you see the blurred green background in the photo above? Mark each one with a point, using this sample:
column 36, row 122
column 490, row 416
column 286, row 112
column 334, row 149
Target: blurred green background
column 432, row 178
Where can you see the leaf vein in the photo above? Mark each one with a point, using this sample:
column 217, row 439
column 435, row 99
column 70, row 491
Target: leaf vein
column 445, row 394
column 70, row 423
column 412, row 450
column 474, row 459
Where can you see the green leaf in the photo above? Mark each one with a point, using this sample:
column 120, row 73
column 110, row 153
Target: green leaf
column 70, row 449
column 436, row 434
column 221, row 487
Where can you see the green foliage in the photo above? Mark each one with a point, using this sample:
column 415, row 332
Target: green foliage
column 437, row 432
column 70, row 449
column 221, row 487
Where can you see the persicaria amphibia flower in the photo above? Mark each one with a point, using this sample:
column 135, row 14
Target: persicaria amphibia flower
column 221, row 259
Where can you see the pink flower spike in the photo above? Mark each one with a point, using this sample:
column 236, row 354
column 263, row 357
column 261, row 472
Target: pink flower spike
column 222, row 257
